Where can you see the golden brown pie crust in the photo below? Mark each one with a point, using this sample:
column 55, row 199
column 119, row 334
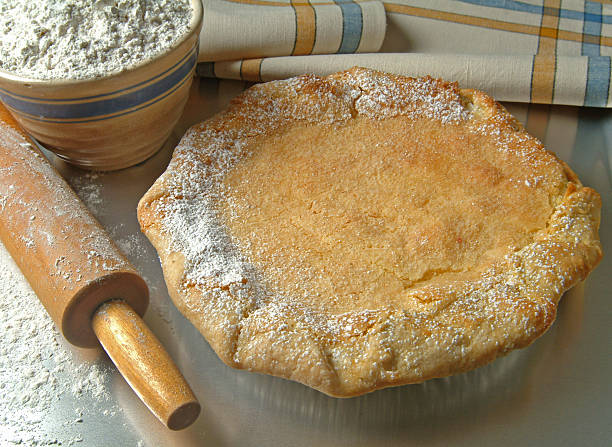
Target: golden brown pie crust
column 366, row 230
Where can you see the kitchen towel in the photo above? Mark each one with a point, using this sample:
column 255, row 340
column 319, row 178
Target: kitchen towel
column 537, row 51
column 246, row 29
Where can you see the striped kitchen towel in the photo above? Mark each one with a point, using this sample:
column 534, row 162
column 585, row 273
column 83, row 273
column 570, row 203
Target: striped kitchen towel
column 246, row 29
column 537, row 51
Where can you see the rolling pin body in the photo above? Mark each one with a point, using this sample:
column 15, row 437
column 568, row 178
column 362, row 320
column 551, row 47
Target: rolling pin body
column 62, row 250
column 74, row 268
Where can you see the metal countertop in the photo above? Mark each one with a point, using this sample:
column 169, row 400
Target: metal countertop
column 556, row 392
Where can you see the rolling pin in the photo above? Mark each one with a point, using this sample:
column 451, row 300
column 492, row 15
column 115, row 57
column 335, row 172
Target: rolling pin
column 85, row 283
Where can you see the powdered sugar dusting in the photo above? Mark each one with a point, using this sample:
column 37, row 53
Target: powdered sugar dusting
column 387, row 96
column 191, row 221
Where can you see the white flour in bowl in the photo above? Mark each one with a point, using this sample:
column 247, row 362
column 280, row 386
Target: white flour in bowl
column 83, row 39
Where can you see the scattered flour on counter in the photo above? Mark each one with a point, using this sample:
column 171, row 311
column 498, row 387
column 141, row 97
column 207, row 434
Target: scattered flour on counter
column 38, row 370
column 84, row 39
column 88, row 189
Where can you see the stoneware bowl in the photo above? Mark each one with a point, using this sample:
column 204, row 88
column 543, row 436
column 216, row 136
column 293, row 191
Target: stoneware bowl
column 111, row 122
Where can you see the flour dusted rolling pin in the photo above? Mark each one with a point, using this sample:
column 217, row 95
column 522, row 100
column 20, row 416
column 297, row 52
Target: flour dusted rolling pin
column 88, row 287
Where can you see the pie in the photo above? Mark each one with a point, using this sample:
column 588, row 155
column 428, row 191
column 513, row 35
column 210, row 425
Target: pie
column 366, row 230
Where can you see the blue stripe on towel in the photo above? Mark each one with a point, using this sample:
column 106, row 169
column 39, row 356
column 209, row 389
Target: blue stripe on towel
column 513, row 5
column 352, row 25
column 206, row 69
column 598, row 69
column 598, row 81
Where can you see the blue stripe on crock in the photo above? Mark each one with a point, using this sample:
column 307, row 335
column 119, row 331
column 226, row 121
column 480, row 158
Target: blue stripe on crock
column 103, row 118
column 104, row 95
column 101, row 107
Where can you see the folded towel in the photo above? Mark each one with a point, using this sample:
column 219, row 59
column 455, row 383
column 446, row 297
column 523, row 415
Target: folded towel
column 244, row 29
column 537, row 51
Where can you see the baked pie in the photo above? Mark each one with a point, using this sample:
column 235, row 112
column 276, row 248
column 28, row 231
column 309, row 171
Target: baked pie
column 365, row 230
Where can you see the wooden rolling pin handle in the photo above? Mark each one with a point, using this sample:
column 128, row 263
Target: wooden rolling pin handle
column 145, row 364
